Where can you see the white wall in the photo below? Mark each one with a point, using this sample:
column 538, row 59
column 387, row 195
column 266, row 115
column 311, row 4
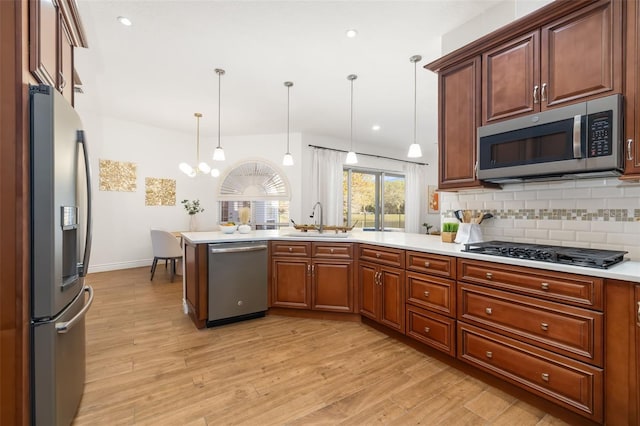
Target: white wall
column 121, row 219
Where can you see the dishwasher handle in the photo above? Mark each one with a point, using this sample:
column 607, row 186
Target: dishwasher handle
column 214, row 250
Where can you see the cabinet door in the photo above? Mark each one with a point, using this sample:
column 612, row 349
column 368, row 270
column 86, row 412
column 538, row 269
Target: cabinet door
column 332, row 286
column 511, row 79
column 369, row 291
column 65, row 73
column 632, row 93
column 581, row 55
column 637, row 350
column 291, row 283
column 196, row 283
column 43, row 41
column 459, row 116
column 392, row 310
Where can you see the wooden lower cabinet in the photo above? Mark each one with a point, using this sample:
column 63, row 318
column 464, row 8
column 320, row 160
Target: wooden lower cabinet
column 196, row 282
column 432, row 329
column 382, row 294
column 574, row 385
column 332, row 285
column 291, row 283
column 636, row 387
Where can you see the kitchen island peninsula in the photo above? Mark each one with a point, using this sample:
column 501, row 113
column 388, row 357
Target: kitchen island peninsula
column 564, row 333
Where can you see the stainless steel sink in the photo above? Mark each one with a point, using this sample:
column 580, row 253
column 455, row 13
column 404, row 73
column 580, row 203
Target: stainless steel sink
column 314, row 234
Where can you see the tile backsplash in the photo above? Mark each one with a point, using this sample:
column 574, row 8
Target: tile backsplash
column 593, row 213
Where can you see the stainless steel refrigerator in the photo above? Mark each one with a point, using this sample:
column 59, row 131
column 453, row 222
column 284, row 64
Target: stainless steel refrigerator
column 60, row 248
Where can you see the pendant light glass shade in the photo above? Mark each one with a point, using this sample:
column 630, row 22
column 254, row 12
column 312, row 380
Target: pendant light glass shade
column 203, row 167
column 414, row 149
column 287, row 160
column 218, row 154
column 352, row 158
column 215, row 172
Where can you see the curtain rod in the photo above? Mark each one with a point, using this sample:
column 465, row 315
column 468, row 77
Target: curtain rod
column 370, row 155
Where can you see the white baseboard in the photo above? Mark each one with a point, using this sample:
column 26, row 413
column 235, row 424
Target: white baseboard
column 120, row 265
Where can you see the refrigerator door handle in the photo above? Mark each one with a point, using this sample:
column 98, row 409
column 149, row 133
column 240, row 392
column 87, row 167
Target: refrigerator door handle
column 84, row 267
column 63, row 327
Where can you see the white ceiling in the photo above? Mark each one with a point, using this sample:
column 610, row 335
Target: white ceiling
column 161, row 70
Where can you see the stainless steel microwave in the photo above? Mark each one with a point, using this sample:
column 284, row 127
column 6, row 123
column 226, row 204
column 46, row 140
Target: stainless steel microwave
column 579, row 140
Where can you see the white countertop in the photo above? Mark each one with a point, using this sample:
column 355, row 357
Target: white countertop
column 626, row 270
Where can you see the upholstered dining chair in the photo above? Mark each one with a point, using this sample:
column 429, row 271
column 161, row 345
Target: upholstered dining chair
column 165, row 247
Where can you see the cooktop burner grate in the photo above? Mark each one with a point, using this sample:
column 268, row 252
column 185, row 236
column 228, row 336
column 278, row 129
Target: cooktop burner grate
column 592, row 258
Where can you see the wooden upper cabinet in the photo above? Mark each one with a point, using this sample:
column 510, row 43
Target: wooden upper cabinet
column 576, row 57
column 459, row 116
column 631, row 95
column 511, row 78
column 54, row 31
column 582, row 55
column 43, row 41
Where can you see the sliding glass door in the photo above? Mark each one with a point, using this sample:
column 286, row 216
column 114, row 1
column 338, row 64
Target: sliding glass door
column 374, row 200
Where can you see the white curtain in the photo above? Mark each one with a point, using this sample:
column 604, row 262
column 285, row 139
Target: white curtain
column 327, row 184
column 415, row 197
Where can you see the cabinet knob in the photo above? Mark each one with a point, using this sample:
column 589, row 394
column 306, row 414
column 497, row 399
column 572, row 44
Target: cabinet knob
column 426, row 264
column 427, row 329
column 489, row 311
column 378, row 255
column 544, row 286
column 290, row 249
column 545, row 377
column 426, row 294
column 331, row 251
column 544, row 326
column 489, row 354
column 489, row 276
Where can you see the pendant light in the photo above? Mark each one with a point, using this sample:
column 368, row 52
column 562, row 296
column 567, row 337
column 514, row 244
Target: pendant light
column 218, row 154
column 287, row 160
column 201, row 166
column 351, row 155
column 414, row 149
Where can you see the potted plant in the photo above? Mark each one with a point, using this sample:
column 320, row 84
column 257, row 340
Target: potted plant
column 192, row 208
column 449, row 230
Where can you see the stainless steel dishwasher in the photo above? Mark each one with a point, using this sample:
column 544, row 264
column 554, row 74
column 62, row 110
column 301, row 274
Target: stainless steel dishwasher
column 237, row 281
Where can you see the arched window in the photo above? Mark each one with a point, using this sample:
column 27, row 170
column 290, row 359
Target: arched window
column 259, row 186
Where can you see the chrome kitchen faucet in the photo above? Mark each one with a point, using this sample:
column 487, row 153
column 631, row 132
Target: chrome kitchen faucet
column 312, row 215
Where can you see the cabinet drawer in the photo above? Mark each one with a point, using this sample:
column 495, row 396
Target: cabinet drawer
column 569, row 383
column 431, row 329
column 572, row 331
column 336, row 251
column 577, row 290
column 381, row 255
column 434, row 264
column 433, row 293
column 286, row 248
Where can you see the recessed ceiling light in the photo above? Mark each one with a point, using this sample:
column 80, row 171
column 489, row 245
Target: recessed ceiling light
column 124, row 21
column 352, row 33
column 375, row 127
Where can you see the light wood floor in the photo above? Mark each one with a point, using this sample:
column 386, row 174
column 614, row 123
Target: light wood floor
column 148, row 365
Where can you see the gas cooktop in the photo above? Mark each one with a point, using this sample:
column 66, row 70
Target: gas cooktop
column 592, row 258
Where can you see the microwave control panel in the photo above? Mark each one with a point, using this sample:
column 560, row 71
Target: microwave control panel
column 599, row 141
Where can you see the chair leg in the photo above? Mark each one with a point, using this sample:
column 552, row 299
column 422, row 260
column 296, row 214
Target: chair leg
column 153, row 267
column 173, row 269
column 165, row 263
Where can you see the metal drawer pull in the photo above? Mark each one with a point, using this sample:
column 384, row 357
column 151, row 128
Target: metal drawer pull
column 638, row 315
column 426, row 264
column 427, row 329
column 378, row 255
column 308, row 269
column 544, row 286
column 543, row 92
column 426, row 294
column 489, row 354
column 535, row 94
column 313, row 269
column 331, row 251
column 629, row 151
column 290, row 249
column 545, row 377
column 489, row 311
column 544, row 326
column 489, row 276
